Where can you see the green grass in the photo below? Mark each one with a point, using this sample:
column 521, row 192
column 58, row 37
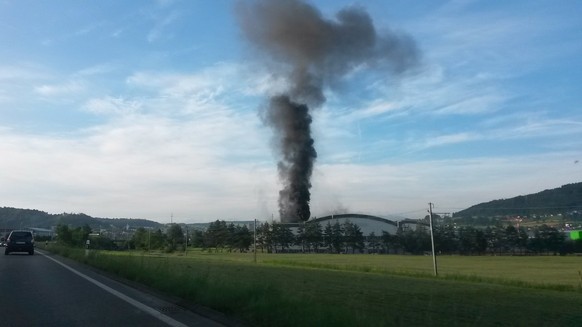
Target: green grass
column 538, row 270
column 363, row 290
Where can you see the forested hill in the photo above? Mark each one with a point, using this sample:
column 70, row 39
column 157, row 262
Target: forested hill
column 563, row 199
column 12, row 218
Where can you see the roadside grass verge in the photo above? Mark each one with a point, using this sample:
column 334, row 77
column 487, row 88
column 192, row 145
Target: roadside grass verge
column 290, row 294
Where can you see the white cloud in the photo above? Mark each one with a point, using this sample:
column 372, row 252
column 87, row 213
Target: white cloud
column 449, row 139
column 377, row 107
column 140, row 166
column 145, row 166
column 110, row 105
column 96, row 70
column 473, row 104
column 530, row 125
column 174, row 146
column 65, row 89
column 179, row 84
column 15, row 81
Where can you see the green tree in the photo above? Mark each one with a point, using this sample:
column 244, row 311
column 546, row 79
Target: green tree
column 243, row 238
column 216, row 235
column 445, row 238
column 265, row 237
column 231, row 237
column 353, row 237
column 373, row 242
column 415, row 241
column 157, row 240
column 472, row 240
column 301, row 237
column 337, row 237
column 512, row 238
column 80, row 235
column 391, row 242
column 282, row 235
column 102, row 243
column 496, row 239
column 313, row 236
column 140, row 239
column 64, row 235
column 197, row 239
column 175, row 237
column 549, row 239
column 328, row 237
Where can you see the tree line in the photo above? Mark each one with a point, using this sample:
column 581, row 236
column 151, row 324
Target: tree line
column 346, row 237
column 468, row 240
column 173, row 239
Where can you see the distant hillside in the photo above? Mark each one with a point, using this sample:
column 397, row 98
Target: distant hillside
column 566, row 198
column 21, row 218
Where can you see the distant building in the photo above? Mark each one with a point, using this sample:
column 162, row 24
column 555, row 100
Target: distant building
column 368, row 224
column 41, row 232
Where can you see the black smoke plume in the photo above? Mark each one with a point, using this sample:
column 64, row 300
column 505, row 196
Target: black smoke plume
column 311, row 52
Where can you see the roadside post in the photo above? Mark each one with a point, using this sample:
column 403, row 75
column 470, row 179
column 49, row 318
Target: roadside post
column 87, row 244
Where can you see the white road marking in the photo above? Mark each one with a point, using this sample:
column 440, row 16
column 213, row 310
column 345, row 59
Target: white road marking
column 137, row 304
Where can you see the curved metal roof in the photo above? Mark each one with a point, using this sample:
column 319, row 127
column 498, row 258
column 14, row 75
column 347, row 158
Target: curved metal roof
column 354, row 216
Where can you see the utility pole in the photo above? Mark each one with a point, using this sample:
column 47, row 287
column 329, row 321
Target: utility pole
column 149, row 239
column 434, row 260
column 255, row 237
column 186, row 248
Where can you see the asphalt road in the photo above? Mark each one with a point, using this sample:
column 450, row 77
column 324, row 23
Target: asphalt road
column 45, row 290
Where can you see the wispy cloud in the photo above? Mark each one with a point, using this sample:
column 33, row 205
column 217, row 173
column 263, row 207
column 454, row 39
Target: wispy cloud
column 147, row 167
column 15, row 81
column 99, row 69
column 150, row 161
column 176, row 145
column 160, row 26
column 69, row 88
column 22, row 71
column 450, row 139
column 474, row 104
column 112, row 106
column 88, row 29
column 180, row 84
column 375, row 108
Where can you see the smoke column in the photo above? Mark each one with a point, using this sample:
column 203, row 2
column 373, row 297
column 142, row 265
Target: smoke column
column 312, row 52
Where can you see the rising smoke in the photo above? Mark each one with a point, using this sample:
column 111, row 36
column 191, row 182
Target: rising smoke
column 312, row 52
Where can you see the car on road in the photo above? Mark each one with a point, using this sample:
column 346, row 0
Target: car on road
column 20, row 241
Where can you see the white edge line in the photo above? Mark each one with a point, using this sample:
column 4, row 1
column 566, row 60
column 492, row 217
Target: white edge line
column 137, row 304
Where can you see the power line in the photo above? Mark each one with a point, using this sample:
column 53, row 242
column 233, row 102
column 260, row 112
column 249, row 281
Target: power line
column 525, row 208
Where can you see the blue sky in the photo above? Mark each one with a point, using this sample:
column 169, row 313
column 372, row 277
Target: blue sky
column 148, row 109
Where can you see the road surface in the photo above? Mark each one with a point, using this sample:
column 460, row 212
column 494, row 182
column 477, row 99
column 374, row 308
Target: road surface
column 47, row 290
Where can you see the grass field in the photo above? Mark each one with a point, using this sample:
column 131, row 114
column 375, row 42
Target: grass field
column 364, row 290
column 561, row 272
